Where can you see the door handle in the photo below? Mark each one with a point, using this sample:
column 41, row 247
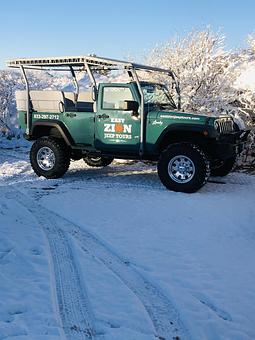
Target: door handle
column 103, row 116
column 70, row 114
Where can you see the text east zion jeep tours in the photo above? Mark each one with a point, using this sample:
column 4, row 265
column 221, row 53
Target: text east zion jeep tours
column 134, row 120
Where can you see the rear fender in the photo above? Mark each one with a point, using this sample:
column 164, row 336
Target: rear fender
column 40, row 129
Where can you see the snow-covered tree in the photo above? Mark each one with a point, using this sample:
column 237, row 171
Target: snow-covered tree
column 7, row 87
column 206, row 72
column 245, row 82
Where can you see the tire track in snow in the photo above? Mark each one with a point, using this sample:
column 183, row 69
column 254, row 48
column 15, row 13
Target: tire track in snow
column 163, row 314
column 73, row 304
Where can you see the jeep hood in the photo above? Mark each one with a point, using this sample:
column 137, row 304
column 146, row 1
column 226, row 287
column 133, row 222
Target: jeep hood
column 180, row 116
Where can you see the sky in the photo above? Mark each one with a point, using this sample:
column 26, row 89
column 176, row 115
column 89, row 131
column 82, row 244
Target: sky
column 114, row 28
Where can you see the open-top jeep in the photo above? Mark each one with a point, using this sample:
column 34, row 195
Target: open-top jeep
column 134, row 120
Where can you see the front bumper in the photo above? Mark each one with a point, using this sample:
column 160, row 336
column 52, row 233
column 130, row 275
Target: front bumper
column 234, row 137
column 230, row 145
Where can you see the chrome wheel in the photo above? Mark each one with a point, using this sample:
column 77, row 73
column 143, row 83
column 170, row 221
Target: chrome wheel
column 45, row 158
column 181, row 169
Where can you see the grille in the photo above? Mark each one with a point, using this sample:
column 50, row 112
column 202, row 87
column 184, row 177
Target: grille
column 224, row 125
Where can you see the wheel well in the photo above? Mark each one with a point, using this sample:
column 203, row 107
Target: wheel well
column 40, row 131
column 55, row 131
column 181, row 136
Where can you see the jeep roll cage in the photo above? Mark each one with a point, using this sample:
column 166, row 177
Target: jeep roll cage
column 89, row 64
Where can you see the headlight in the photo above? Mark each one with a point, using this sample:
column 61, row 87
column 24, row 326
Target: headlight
column 217, row 125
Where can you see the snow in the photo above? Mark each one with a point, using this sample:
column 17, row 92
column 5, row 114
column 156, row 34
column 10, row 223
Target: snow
column 195, row 250
column 14, row 143
column 246, row 80
column 26, row 311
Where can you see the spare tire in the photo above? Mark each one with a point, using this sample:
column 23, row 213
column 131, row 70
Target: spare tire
column 98, row 161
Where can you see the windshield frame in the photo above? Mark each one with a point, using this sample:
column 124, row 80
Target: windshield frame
column 170, row 101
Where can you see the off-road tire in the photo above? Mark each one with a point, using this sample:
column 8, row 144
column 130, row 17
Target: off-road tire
column 98, row 161
column 224, row 168
column 60, row 151
column 200, row 164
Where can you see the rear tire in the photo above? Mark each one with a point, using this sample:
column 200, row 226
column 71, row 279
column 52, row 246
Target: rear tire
column 98, row 161
column 225, row 168
column 183, row 167
column 49, row 157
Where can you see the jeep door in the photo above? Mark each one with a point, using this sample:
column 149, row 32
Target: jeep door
column 116, row 130
column 81, row 126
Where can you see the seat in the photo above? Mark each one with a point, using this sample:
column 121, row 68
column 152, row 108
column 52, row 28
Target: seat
column 85, row 102
column 54, row 101
column 41, row 101
column 47, row 101
column 69, row 100
column 21, row 100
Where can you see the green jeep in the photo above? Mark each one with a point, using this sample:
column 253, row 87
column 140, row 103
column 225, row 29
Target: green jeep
column 133, row 120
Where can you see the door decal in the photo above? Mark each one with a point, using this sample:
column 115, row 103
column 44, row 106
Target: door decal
column 117, row 130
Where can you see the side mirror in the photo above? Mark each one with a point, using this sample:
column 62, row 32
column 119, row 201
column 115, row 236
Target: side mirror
column 94, row 93
column 131, row 105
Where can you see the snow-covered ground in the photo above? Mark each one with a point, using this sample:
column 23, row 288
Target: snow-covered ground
column 111, row 254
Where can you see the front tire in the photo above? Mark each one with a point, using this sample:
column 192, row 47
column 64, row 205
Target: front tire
column 183, row 167
column 98, row 161
column 224, row 168
column 49, row 157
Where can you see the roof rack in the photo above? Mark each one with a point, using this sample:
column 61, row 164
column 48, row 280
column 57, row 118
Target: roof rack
column 79, row 61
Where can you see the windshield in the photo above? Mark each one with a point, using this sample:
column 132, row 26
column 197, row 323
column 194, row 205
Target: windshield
column 157, row 95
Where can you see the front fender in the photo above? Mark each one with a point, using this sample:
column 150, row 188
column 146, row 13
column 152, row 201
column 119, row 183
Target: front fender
column 179, row 131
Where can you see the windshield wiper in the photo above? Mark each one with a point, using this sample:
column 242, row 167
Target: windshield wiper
column 172, row 105
column 163, row 105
